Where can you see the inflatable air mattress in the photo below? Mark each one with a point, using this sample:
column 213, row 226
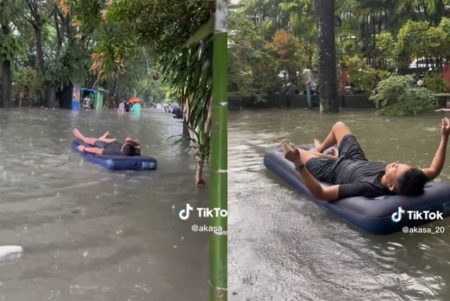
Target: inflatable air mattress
column 381, row 215
column 118, row 162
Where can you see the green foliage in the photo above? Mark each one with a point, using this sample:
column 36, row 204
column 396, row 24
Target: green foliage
column 252, row 68
column 435, row 82
column 87, row 14
column 444, row 26
column 348, row 47
column 398, row 96
column 388, row 90
column 410, row 40
column 386, row 50
column 361, row 76
column 267, row 37
column 9, row 44
column 149, row 89
column 434, row 42
column 70, row 65
column 177, row 35
column 387, row 34
column 111, row 55
column 418, row 39
column 27, row 84
column 284, row 48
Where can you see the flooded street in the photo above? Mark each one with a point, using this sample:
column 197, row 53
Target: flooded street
column 283, row 247
column 89, row 233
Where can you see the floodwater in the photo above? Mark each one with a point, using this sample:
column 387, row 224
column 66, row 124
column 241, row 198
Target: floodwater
column 89, row 233
column 283, row 247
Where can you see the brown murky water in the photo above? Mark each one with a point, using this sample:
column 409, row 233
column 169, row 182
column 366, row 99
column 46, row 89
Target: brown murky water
column 92, row 234
column 283, row 247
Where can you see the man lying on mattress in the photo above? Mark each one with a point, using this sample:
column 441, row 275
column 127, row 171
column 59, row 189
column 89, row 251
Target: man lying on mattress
column 351, row 174
column 106, row 145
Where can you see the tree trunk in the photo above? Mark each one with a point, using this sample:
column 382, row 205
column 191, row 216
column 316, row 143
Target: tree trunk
column 48, row 90
column 50, row 96
column 439, row 12
column 327, row 55
column 185, row 119
column 6, row 83
column 39, row 50
column 185, row 129
column 199, row 181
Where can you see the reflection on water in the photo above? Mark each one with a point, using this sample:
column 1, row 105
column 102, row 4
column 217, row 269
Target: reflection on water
column 283, row 247
column 92, row 234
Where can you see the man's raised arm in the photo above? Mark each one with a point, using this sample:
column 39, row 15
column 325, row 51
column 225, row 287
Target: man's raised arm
column 439, row 157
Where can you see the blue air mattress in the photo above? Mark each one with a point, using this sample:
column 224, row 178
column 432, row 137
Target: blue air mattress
column 118, row 162
column 381, row 215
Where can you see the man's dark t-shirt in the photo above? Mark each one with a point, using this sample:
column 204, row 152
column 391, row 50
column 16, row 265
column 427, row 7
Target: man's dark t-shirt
column 113, row 148
column 351, row 171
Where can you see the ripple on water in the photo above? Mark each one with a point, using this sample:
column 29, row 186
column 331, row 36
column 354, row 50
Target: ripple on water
column 282, row 247
column 91, row 234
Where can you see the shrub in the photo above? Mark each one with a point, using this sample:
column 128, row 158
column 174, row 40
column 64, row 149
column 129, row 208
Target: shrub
column 398, row 96
column 361, row 77
column 435, row 83
column 26, row 82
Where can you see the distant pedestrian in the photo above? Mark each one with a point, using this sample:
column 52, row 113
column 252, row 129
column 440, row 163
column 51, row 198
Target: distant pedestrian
column 121, row 108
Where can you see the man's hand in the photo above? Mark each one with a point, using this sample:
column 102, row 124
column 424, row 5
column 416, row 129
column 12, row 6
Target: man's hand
column 81, row 148
column 445, row 127
column 439, row 157
column 291, row 153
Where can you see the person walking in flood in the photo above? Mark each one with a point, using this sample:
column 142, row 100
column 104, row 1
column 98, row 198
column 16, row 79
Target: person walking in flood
column 136, row 108
column 121, row 108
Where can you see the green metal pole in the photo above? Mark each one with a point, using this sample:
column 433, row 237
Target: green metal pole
column 218, row 238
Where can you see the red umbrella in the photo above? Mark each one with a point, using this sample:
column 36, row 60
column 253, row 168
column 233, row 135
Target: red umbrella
column 134, row 100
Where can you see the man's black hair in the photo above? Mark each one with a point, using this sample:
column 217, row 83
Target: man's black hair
column 131, row 150
column 412, row 182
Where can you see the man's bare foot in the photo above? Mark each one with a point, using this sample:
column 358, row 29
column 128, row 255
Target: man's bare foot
column 200, row 183
column 332, row 151
column 317, row 144
column 77, row 134
column 104, row 136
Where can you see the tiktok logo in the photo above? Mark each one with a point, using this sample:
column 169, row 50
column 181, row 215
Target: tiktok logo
column 397, row 215
column 184, row 213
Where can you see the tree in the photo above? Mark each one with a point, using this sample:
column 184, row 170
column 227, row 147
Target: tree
column 444, row 25
column 411, row 40
column 182, row 50
column 361, row 77
column 327, row 55
column 301, row 25
column 252, row 68
column 430, row 10
column 8, row 48
column 421, row 41
column 285, row 47
column 6, row 54
column 385, row 50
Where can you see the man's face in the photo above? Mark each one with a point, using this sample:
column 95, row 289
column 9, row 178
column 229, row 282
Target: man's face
column 394, row 172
